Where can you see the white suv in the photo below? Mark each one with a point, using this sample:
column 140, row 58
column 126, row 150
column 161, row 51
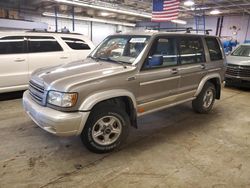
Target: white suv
column 23, row 52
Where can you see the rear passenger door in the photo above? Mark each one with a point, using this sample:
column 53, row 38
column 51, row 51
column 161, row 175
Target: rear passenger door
column 13, row 62
column 45, row 51
column 193, row 64
column 216, row 56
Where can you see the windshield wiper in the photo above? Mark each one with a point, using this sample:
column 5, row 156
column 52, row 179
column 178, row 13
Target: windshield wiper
column 110, row 60
column 119, row 62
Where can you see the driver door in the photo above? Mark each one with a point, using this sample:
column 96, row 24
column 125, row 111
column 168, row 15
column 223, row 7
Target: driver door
column 159, row 83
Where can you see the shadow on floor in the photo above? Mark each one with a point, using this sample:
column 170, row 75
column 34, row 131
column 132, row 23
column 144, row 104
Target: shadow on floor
column 237, row 87
column 11, row 95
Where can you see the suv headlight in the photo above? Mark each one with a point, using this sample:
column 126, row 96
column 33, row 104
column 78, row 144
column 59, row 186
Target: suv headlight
column 62, row 99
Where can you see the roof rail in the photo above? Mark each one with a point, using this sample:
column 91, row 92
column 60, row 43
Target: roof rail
column 186, row 29
column 46, row 31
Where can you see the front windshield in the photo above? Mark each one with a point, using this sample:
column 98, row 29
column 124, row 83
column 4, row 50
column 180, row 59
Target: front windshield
column 123, row 49
column 243, row 50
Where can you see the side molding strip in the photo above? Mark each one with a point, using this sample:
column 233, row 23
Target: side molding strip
column 159, row 80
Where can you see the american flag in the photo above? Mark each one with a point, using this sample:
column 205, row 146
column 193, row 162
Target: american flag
column 165, row 10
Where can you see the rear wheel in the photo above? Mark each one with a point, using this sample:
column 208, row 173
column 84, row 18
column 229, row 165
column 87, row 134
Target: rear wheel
column 205, row 100
column 106, row 128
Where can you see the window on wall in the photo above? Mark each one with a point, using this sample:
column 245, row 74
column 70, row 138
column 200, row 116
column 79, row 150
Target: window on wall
column 43, row 44
column 165, row 47
column 12, row 45
column 214, row 49
column 76, row 44
column 191, row 50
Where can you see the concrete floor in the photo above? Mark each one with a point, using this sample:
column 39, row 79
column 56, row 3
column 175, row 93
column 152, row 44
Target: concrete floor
column 171, row 148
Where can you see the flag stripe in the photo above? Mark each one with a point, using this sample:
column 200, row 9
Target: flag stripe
column 171, row 4
column 164, row 19
column 169, row 1
column 163, row 15
column 165, row 10
column 171, row 8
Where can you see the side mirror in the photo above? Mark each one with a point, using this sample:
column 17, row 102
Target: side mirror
column 155, row 61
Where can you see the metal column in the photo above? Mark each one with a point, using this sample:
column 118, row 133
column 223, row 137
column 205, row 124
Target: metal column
column 91, row 30
column 56, row 19
column 247, row 28
column 73, row 18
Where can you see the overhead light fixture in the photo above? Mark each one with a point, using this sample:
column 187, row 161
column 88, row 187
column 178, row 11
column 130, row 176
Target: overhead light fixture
column 189, row 3
column 215, row 12
column 183, row 22
column 104, row 14
column 49, row 14
column 116, row 10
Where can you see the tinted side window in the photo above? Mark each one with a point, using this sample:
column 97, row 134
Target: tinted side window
column 43, row 44
column 76, row 44
column 12, row 45
column 165, row 47
column 214, row 49
column 191, row 51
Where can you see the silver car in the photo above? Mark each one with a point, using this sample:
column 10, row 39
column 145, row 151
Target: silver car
column 238, row 66
column 125, row 77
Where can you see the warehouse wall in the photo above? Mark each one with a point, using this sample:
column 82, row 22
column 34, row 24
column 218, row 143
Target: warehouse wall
column 211, row 23
column 99, row 30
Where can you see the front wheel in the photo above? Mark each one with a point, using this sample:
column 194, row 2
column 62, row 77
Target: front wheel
column 106, row 128
column 205, row 100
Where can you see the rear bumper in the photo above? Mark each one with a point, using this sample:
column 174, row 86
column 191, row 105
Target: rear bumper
column 53, row 121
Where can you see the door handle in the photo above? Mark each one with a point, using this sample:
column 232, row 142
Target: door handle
column 174, row 71
column 203, row 66
column 64, row 57
column 19, row 60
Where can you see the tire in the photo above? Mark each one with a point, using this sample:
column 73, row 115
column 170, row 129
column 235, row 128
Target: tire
column 110, row 124
column 205, row 100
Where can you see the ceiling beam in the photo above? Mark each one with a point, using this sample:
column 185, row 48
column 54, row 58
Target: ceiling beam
column 244, row 9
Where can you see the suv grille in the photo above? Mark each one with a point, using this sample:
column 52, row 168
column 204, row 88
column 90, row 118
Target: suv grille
column 237, row 70
column 36, row 92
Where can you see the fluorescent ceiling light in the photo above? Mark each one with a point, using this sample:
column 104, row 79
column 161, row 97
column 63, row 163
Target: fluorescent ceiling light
column 214, row 12
column 104, row 14
column 189, row 3
column 179, row 22
column 116, row 10
column 89, row 19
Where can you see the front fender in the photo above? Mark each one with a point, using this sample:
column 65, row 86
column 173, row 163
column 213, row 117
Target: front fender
column 93, row 99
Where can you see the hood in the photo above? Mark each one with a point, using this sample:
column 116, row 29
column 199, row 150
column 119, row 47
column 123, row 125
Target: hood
column 65, row 76
column 238, row 60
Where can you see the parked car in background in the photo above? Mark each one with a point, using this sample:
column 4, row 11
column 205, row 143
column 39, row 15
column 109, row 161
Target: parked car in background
column 23, row 52
column 238, row 66
column 125, row 77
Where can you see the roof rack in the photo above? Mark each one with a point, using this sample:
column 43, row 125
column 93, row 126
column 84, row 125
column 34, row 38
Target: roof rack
column 187, row 29
column 46, row 31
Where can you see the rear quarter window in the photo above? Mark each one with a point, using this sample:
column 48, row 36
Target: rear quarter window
column 214, row 49
column 76, row 44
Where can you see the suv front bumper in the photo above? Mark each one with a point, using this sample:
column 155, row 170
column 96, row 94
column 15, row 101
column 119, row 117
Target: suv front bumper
column 53, row 121
column 237, row 72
